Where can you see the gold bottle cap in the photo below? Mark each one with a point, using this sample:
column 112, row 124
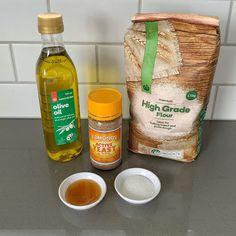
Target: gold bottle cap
column 50, row 23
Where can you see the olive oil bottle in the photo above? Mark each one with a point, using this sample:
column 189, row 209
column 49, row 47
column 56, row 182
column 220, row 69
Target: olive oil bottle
column 58, row 92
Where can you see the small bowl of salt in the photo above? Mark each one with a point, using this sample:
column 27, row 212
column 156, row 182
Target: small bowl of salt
column 137, row 185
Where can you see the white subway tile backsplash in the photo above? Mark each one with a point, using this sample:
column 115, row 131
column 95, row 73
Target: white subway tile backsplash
column 95, row 21
column 20, row 100
column 6, row 66
column 24, row 103
column 232, row 26
column 94, row 32
column 18, row 19
column 26, row 56
column 225, row 108
column 84, row 59
column 85, row 89
column 205, row 7
column 210, row 103
column 111, row 64
column 226, row 68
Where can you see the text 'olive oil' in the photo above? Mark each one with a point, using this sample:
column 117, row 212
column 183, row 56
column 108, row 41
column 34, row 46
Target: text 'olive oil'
column 58, row 92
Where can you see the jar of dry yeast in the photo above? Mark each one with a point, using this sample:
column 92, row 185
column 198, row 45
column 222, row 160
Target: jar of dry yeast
column 105, row 127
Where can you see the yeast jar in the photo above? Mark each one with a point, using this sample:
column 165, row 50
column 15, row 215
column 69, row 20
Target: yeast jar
column 105, row 128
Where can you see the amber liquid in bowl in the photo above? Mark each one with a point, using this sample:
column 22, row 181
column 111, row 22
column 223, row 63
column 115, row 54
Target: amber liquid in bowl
column 83, row 192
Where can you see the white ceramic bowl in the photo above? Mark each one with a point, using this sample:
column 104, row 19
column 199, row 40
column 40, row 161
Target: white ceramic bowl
column 78, row 176
column 124, row 175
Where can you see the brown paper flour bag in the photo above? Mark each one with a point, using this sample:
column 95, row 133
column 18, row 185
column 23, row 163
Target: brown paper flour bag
column 170, row 63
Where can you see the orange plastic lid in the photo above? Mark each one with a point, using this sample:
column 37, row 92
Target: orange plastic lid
column 104, row 104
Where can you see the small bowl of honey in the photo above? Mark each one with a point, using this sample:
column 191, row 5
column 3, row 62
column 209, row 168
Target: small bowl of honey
column 82, row 190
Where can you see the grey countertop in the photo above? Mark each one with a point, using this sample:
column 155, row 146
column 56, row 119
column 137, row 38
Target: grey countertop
column 197, row 198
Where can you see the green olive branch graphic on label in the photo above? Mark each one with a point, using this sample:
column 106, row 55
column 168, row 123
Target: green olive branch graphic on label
column 64, row 128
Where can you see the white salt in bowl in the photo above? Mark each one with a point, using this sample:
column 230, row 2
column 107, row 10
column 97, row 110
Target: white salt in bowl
column 137, row 185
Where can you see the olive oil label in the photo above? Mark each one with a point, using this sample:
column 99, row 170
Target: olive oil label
column 63, row 116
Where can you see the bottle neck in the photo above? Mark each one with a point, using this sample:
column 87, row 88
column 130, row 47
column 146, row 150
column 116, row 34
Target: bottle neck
column 52, row 40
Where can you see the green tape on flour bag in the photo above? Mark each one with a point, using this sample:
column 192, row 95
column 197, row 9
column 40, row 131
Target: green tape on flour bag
column 149, row 55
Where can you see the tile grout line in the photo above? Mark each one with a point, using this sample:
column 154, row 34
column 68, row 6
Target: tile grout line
column 226, row 85
column 97, row 63
column 80, row 83
column 228, row 44
column 18, row 82
column 139, row 6
column 96, row 43
column 48, row 6
column 214, row 102
column 221, row 119
column 67, row 43
column 8, row 82
column 90, row 43
column 99, row 83
column 20, row 42
column 13, row 61
column 228, row 22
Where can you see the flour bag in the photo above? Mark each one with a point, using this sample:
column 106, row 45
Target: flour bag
column 170, row 64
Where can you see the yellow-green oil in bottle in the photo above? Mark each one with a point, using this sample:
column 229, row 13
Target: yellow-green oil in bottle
column 55, row 72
